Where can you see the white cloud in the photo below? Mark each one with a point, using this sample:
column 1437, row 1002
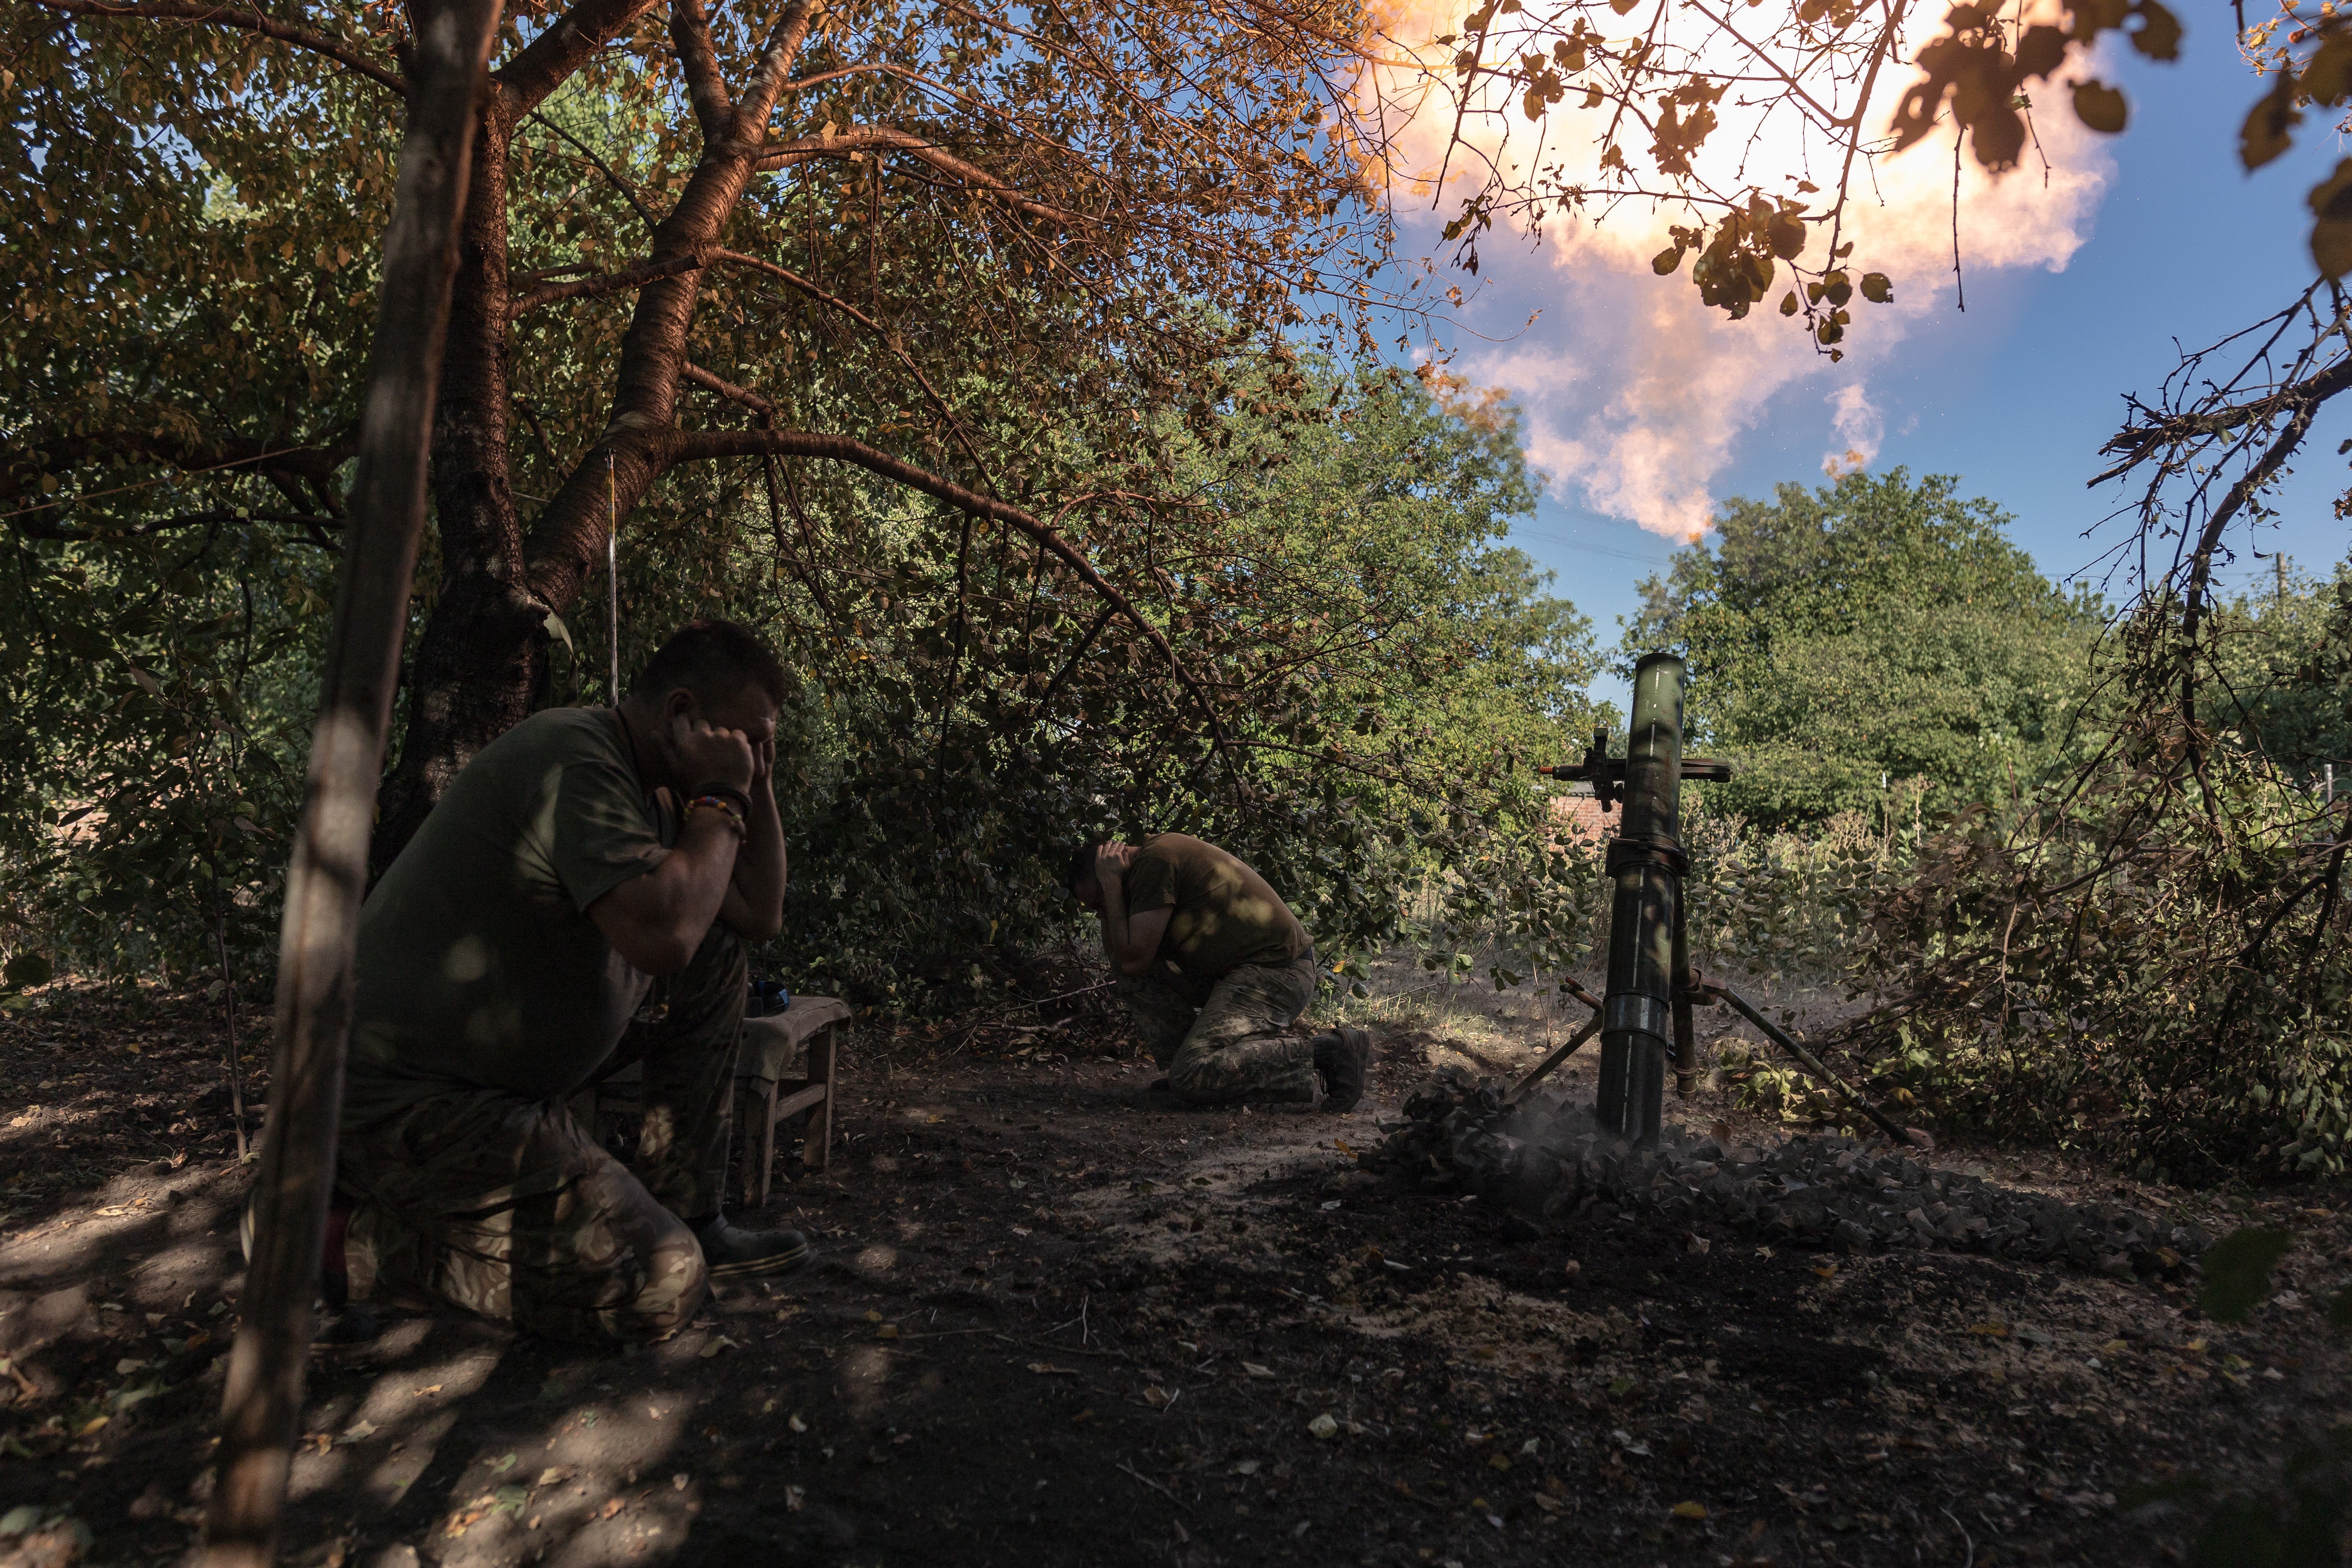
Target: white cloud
column 1637, row 396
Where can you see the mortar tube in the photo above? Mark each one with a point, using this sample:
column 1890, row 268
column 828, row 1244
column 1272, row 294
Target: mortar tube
column 1645, row 863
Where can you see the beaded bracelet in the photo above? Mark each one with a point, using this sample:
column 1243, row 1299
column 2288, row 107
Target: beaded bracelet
column 727, row 808
column 739, row 799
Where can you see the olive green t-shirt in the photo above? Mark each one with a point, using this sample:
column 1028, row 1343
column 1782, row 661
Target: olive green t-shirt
column 478, row 966
column 1225, row 915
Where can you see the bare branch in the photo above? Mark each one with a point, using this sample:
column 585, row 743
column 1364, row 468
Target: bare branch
column 729, row 391
column 688, row 446
column 236, row 17
column 628, row 191
column 889, row 340
column 628, row 277
column 870, row 138
column 314, row 526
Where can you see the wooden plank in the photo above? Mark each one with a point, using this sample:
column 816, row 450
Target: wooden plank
column 801, row 1100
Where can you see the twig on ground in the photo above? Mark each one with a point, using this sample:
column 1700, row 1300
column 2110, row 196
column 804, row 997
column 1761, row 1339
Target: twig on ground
column 1965, row 1536
column 1155, row 1486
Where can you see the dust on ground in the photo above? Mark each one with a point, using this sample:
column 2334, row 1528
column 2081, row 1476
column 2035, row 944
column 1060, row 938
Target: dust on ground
column 1050, row 1324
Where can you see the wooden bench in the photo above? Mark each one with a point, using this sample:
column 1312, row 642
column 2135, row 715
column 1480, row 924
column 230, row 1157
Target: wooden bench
column 767, row 1087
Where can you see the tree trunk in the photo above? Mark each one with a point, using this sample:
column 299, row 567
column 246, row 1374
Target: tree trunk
column 484, row 652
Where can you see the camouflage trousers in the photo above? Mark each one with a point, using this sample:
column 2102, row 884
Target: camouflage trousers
column 1228, row 1040
column 509, row 1207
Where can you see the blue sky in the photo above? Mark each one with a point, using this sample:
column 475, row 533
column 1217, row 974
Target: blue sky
column 2016, row 394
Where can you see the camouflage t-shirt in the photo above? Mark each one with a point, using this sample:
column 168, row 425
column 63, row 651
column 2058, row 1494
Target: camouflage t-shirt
column 1225, row 915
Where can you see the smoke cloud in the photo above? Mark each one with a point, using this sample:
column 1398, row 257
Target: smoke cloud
column 1858, row 425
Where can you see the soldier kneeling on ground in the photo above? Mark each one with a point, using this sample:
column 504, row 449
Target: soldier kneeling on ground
column 578, row 899
column 1216, row 969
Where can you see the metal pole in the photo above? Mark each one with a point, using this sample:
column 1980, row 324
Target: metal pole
column 1685, row 1027
column 263, row 1400
column 1806, row 1059
column 1646, row 862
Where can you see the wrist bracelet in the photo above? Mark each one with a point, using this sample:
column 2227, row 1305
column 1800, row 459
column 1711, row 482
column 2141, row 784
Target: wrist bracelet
column 725, row 808
column 739, row 799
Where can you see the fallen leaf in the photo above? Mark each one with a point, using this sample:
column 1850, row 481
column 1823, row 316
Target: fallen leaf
column 361, row 1431
column 1690, row 1510
column 886, row 1331
column 1549, row 1504
column 1251, row 1369
column 795, row 1423
column 721, row 1343
column 428, row 1388
column 795, row 1499
column 1992, row 1328
column 1826, row 1270
column 1158, row 1397
column 1245, row 1468
column 612, row 1507
column 1324, row 1426
column 556, row 1475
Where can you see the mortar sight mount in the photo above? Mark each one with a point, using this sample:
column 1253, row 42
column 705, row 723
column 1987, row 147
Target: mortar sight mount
column 1606, row 773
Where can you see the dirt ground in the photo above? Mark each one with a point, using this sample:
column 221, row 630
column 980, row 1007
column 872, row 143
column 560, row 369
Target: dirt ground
column 1048, row 1323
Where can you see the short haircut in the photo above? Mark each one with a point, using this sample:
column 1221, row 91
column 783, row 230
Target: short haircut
column 714, row 660
column 1081, row 864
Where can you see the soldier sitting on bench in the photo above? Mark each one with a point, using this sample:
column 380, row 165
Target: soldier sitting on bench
column 578, row 899
column 1216, row 969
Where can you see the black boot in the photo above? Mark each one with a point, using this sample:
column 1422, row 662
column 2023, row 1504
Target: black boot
column 733, row 1253
column 1342, row 1059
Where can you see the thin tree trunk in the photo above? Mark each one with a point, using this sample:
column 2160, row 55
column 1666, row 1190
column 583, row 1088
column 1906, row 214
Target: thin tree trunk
column 262, row 1401
column 236, row 1070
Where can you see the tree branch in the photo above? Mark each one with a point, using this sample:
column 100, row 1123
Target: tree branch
column 786, row 274
column 243, row 20
column 689, row 33
column 314, row 526
column 552, row 56
column 628, row 277
column 729, row 391
column 870, row 138
column 692, row 446
column 628, row 191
